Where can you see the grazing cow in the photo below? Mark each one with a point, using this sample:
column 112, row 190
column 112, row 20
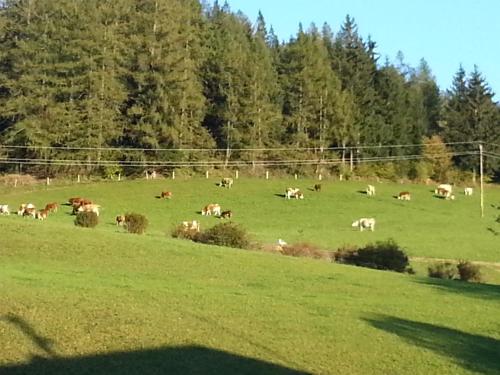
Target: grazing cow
column 166, row 194
column 226, row 182
column 446, row 187
column 226, row 214
column 89, row 208
column 52, row 207
column 29, row 211
column 468, row 191
column 4, row 209
column 404, row 196
column 370, row 190
column 364, row 223
column 293, row 193
column 211, row 209
column 193, row 225
column 42, row 215
column 444, row 193
column 317, row 187
column 120, row 220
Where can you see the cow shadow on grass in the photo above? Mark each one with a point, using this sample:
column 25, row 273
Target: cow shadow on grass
column 473, row 352
column 362, row 192
column 280, row 195
column 485, row 291
column 189, row 359
column 493, row 231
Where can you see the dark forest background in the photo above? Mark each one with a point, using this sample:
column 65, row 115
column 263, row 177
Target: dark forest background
column 94, row 80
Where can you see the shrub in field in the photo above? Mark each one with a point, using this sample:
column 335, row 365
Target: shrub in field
column 136, row 223
column 304, row 250
column 468, row 271
column 225, row 234
column 86, row 219
column 383, row 255
column 182, row 232
column 445, row 270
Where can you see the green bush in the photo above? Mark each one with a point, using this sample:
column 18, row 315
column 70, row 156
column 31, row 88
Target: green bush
column 136, row 223
column 445, row 270
column 86, row 219
column 383, row 255
column 184, row 233
column 468, row 271
column 225, row 234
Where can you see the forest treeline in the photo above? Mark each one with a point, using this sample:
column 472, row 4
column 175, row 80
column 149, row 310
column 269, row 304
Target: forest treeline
column 180, row 74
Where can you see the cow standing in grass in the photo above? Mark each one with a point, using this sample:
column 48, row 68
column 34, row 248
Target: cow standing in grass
column 404, row 196
column 211, row 209
column 227, row 182
column 4, row 209
column 370, row 190
column 364, row 223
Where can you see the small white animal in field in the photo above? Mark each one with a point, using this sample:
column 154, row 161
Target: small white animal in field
column 370, row 190
column 364, row 223
column 468, row 191
column 281, row 242
column 4, row 209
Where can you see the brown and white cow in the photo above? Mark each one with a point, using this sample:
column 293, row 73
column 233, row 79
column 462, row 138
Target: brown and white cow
column 120, row 220
column 211, row 209
column 226, row 214
column 226, row 182
column 166, row 194
column 42, row 215
column 52, row 207
column 404, row 196
column 193, row 225
column 89, row 208
column 293, row 193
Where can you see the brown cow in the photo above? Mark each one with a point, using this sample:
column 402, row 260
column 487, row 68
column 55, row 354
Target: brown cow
column 52, row 207
column 226, row 214
column 166, row 194
column 42, row 215
column 317, row 187
column 404, row 196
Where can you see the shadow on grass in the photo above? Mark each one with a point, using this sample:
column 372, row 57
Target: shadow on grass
column 486, row 291
column 493, row 231
column 473, row 352
column 162, row 360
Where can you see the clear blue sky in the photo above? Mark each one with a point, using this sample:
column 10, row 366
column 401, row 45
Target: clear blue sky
column 446, row 33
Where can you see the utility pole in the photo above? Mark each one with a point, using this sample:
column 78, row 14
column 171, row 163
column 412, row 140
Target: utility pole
column 481, row 177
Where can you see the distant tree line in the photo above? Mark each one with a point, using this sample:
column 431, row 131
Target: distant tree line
column 180, row 74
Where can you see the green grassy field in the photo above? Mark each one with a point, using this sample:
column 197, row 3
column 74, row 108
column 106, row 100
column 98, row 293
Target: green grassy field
column 98, row 301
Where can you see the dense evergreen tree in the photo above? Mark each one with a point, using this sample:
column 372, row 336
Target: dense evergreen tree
column 180, row 74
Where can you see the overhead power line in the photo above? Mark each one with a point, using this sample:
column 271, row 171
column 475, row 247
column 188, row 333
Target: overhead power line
column 338, row 148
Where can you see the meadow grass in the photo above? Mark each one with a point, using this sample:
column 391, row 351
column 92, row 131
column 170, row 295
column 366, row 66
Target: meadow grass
column 80, row 301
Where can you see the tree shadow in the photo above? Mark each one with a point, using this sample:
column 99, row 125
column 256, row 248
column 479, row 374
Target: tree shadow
column 485, row 291
column 190, row 359
column 473, row 352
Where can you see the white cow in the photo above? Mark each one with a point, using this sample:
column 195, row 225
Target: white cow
column 293, row 193
column 89, row 208
column 226, row 182
column 370, row 190
column 191, row 225
column 468, row 191
column 364, row 223
column 4, row 209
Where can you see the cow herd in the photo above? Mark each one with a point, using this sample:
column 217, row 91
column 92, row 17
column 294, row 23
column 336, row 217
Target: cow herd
column 78, row 204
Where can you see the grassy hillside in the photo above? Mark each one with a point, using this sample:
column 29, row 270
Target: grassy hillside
column 98, row 301
column 94, row 302
column 425, row 226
